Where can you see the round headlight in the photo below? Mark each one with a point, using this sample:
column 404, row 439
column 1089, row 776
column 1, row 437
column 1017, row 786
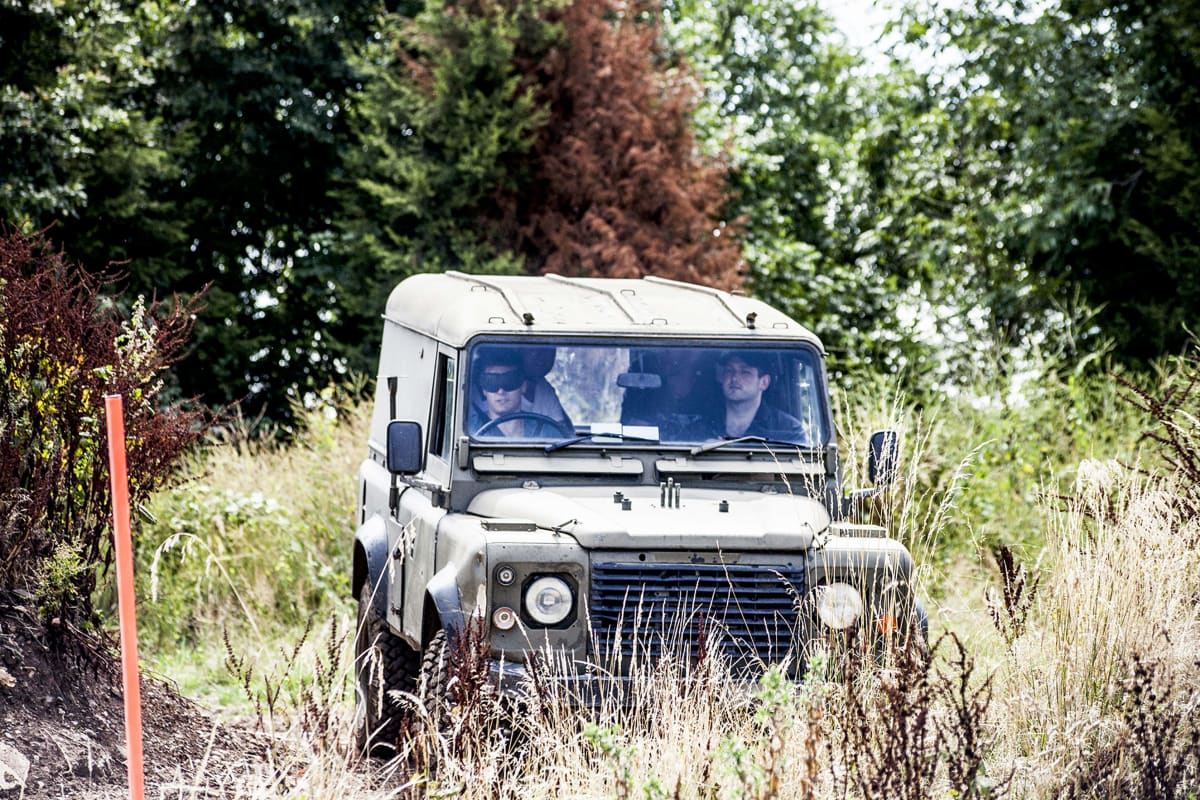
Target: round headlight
column 839, row 605
column 548, row 600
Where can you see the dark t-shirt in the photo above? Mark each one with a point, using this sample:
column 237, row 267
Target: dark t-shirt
column 768, row 422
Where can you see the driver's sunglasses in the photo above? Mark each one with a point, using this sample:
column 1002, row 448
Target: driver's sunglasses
column 492, row 382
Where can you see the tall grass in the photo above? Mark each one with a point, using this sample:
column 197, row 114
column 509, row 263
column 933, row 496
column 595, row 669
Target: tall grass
column 1064, row 564
column 915, row 731
column 1120, row 585
column 252, row 546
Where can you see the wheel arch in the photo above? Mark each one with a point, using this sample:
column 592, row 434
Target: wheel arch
column 370, row 561
column 443, row 606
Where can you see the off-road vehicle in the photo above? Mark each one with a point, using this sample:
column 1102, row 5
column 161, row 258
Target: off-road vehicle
column 609, row 469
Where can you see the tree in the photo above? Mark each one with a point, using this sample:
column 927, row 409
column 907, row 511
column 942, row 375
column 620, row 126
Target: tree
column 500, row 135
column 783, row 97
column 617, row 187
column 196, row 144
column 79, row 143
column 443, row 126
column 1075, row 126
column 255, row 91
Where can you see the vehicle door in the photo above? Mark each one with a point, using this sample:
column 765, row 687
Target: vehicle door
column 423, row 510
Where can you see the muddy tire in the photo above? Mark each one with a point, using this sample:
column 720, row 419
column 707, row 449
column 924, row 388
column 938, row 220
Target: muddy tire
column 384, row 665
column 434, row 690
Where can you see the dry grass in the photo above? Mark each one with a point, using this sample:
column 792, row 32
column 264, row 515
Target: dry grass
column 1121, row 578
column 681, row 732
column 1103, row 681
column 1083, row 680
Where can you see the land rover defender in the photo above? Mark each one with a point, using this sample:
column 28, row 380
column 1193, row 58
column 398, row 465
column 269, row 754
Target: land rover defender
column 609, row 469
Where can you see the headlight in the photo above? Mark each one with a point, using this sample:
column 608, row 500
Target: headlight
column 548, row 600
column 838, row 605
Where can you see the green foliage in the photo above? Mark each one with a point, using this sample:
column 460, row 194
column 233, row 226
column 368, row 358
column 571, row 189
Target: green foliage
column 57, row 577
column 796, row 117
column 609, row 743
column 195, row 143
column 301, row 158
column 1070, row 145
column 976, row 465
column 442, row 126
column 1040, row 192
column 197, row 573
column 76, row 137
column 253, row 96
column 1171, row 412
column 257, row 539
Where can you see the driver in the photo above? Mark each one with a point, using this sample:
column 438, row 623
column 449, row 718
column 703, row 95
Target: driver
column 502, row 383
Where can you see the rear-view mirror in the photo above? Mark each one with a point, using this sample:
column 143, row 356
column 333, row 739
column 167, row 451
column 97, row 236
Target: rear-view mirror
column 639, row 380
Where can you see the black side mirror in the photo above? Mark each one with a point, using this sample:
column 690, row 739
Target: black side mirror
column 883, row 457
column 404, row 447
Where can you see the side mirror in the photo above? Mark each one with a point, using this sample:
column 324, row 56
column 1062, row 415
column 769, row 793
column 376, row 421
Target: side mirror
column 404, row 447
column 883, row 457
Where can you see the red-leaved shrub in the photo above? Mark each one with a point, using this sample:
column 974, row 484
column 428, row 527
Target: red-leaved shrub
column 64, row 345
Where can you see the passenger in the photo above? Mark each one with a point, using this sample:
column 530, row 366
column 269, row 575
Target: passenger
column 539, row 360
column 744, row 377
column 676, row 407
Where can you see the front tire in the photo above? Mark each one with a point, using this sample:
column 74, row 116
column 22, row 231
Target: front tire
column 434, row 685
column 384, row 665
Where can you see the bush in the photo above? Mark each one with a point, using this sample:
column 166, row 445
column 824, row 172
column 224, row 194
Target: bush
column 974, row 464
column 64, row 345
column 256, row 541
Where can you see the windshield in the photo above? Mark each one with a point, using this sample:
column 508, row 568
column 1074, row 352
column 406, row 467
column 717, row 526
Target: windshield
column 636, row 391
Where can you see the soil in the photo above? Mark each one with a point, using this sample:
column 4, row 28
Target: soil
column 62, row 722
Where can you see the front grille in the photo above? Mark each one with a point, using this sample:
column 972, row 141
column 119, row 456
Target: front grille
column 747, row 612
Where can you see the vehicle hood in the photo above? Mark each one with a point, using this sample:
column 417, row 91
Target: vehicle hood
column 753, row 521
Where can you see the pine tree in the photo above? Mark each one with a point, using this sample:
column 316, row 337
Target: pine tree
column 444, row 125
column 501, row 135
column 619, row 189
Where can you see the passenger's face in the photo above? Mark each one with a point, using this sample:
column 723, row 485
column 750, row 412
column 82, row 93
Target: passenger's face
column 679, row 375
column 740, row 381
column 502, row 388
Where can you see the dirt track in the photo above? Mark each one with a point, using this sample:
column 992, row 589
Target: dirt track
column 62, row 724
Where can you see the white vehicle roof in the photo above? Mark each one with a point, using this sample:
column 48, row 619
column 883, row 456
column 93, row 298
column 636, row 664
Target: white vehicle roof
column 453, row 307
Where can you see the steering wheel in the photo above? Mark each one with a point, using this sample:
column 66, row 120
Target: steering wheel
column 542, row 419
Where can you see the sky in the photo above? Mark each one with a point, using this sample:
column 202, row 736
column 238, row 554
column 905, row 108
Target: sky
column 860, row 20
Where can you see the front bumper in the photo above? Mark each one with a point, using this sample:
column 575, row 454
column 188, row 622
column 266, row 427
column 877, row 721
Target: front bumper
column 592, row 687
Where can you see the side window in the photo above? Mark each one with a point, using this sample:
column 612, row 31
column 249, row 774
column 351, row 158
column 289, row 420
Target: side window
column 441, row 431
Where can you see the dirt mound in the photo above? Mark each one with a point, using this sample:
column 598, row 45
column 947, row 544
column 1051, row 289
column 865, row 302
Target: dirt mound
column 62, row 721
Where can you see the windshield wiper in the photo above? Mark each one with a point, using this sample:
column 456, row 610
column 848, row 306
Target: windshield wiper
column 717, row 445
column 625, row 437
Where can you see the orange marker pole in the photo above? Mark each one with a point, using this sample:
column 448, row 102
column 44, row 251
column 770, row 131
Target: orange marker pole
column 115, row 413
